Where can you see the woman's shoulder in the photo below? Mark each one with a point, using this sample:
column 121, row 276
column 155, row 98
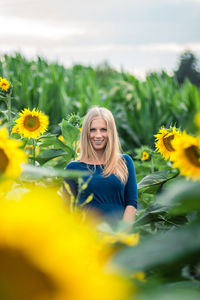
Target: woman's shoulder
column 73, row 165
column 127, row 158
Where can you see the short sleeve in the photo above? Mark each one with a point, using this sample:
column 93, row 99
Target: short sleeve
column 130, row 192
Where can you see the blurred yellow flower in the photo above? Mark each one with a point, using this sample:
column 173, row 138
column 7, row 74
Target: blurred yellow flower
column 61, row 138
column 145, row 155
column 11, row 157
column 187, row 156
column 4, row 84
column 139, row 275
column 47, row 254
column 29, row 150
column 164, row 141
column 121, row 237
column 32, row 124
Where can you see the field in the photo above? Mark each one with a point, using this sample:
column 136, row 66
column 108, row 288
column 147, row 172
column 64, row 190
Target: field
column 48, row 250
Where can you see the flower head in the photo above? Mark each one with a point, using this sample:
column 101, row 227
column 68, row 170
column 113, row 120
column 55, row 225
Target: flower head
column 164, row 141
column 32, row 124
column 4, row 84
column 145, row 155
column 11, row 156
column 46, row 253
column 187, row 156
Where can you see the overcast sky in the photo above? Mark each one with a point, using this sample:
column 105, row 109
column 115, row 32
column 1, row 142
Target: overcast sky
column 138, row 35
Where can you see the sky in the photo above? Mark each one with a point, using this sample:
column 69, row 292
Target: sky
column 139, row 36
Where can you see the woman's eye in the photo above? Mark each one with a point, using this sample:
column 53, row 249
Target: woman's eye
column 92, row 129
column 103, row 129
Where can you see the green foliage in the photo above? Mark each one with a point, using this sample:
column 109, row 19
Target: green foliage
column 69, row 132
column 139, row 107
column 169, row 249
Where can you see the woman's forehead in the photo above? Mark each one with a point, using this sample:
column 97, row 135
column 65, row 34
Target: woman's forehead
column 99, row 122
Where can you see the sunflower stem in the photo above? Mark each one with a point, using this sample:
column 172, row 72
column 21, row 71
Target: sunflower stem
column 34, row 145
column 9, row 114
column 152, row 164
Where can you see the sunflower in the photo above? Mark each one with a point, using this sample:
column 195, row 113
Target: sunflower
column 145, row 155
column 32, row 124
column 4, row 84
column 187, row 156
column 11, row 156
column 164, row 141
column 46, row 253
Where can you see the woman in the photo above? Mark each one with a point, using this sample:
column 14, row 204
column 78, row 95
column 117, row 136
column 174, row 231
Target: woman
column 112, row 181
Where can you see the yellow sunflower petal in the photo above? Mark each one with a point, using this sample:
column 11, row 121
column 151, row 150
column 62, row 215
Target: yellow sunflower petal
column 15, row 129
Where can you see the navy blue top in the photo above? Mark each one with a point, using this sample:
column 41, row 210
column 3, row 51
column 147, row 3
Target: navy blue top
column 110, row 195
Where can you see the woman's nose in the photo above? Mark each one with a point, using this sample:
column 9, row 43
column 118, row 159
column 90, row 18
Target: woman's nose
column 98, row 133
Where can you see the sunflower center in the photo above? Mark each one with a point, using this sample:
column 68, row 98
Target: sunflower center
column 167, row 142
column 31, row 123
column 193, row 154
column 21, row 279
column 3, row 161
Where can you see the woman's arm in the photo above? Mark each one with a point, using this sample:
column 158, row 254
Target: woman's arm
column 130, row 193
column 129, row 213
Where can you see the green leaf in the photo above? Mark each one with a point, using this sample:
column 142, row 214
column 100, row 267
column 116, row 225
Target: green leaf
column 41, row 172
column 152, row 214
column 57, row 144
column 173, row 292
column 154, row 179
column 46, row 155
column 69, row 132
column 158, row 250
column 181, row 197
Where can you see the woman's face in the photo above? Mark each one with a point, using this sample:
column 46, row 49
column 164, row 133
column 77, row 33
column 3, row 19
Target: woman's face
column 98, row 134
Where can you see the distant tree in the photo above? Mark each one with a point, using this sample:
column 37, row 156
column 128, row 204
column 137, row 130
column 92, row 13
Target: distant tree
column 188, row 68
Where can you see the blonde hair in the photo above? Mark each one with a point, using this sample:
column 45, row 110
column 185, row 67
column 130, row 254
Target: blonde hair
column 113, row 160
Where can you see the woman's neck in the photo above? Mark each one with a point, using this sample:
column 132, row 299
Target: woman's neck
column 99, row 160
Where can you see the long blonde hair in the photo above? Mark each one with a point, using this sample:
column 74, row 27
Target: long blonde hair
column 113, row 160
